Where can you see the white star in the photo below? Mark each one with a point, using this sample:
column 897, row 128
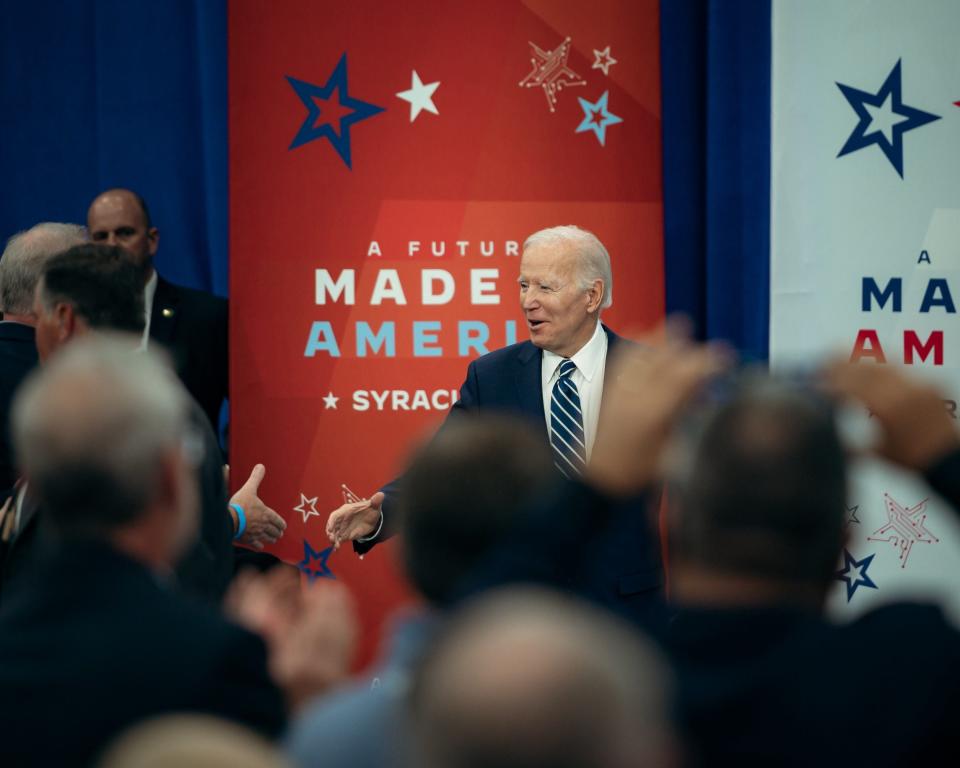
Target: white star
column 603, row 60
column 883, row 118
column 330, row 401
column 420, row 96
column 307, row 507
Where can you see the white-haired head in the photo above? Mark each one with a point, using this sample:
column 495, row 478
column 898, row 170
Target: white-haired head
column 24, row 258
column 593, row 261
column 94, row 430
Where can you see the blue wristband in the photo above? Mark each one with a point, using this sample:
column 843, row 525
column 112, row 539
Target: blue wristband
column 241, row 520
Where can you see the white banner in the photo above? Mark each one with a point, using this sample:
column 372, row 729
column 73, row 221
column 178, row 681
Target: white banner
column 865, row 247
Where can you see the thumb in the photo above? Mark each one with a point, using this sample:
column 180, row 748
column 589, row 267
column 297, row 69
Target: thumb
column 376, row 500
column 256, row 477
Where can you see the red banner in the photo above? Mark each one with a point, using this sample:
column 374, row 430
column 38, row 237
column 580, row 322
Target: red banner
column 387, row 161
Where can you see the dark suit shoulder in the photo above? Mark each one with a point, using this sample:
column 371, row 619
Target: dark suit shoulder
column 505, row 356
column 168, row 292
column 920, row 619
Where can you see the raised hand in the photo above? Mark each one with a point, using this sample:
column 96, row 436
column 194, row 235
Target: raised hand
column 264, row 526
column 355, row 520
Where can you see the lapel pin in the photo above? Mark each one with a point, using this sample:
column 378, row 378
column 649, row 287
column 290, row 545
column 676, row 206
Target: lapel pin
column 167, row 312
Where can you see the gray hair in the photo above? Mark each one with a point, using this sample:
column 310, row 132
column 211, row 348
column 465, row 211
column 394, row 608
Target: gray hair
column 593, row 261
column 527, row 677
column 90, row 428
column 24, row 258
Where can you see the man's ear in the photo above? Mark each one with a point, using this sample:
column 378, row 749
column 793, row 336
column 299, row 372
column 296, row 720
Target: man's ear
column 153, row 240
column 595, row 295
column 66, row 321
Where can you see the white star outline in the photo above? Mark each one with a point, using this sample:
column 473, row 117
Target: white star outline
column 307, row 507
column 603, row 60
column 420, row 96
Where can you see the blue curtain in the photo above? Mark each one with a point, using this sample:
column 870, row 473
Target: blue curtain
column 715, row 77
column 103, row 93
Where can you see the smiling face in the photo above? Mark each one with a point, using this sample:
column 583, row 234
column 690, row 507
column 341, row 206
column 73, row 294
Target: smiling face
column 561, row 314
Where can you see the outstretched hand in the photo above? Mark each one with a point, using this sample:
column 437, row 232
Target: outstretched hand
column 355, row 519
column 264, row 526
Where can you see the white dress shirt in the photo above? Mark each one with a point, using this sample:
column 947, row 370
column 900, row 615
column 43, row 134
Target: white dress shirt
column 149, row 291
column 590, row 361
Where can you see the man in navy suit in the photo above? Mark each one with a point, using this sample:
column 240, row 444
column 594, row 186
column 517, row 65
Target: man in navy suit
column 555, row 380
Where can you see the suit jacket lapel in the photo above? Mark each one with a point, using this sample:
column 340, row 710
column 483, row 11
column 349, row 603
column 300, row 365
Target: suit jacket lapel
column 163, row 315
column 613, row 343
column 529, row 383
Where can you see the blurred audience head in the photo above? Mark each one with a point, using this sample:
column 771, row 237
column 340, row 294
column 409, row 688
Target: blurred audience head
column 101, row 435
column 191, row 741
column 759, row 490
column 531, row 679
column 23, row 261
column 461, row 494
column 120, row 217
column 89, row 287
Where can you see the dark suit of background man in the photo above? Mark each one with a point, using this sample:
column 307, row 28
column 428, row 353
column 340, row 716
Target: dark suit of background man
column 96, row 641
column 20, row 269
column 93, row 289
column 191, row 324
column 565, row 281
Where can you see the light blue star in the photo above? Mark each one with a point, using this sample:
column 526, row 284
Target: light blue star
column 346, row 110
column 860, row 578
column 598, row 110
column 322, row 571
column 860, row 100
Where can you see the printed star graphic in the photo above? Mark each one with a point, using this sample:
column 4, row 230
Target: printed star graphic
column 307, row 507
column 603, row 60
column 862, row 136
column 905, row 527
column 420, row 96
column 551, row 71
column 329, row 118
column 322, row 570
column 330, row 401
column 861, row 579
column 596, row 118
column 851, row 516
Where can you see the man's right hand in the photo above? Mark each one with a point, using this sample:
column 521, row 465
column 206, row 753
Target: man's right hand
column 644, row 394
column 917, row 430
column 355, row 520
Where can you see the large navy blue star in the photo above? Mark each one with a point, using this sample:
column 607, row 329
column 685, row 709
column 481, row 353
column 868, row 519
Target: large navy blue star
column 858, row 579
column 322, row 571
column 327, row 118
column 859, row 100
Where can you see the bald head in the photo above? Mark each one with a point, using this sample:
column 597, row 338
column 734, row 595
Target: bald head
column 760, row 490
column 24, row 259
column 120, row 217
column 100, row 433
column 529, row 679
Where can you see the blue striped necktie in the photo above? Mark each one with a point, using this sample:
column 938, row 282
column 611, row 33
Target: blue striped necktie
column 566, row 424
